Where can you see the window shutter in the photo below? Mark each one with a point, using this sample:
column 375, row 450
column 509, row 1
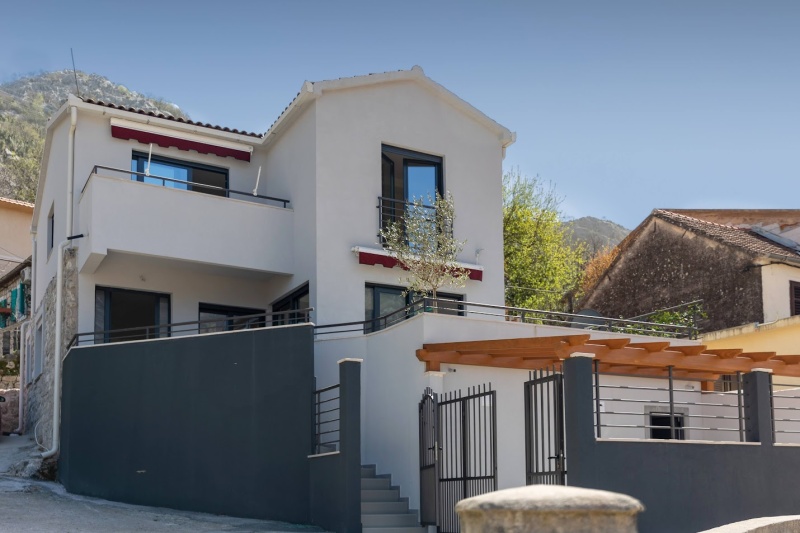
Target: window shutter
column 794, row 297
column 14, row 296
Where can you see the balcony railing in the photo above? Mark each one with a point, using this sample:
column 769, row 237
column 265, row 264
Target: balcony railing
column 511, row 314
column 391, row 211
column 192, row 186
column 197, row 327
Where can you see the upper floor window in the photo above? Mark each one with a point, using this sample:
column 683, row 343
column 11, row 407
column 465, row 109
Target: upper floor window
column 51, row 230
column 383, row 305
column 180, row 174
column 408, row 176
column 794, row 297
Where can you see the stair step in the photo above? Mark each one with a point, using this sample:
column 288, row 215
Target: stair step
column 367, row 470
column 409, row 529
column 375, row 483
column 389, row 520
column 385, row 507
column 380, row 495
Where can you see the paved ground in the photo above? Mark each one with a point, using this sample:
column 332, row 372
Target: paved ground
column 42, row 507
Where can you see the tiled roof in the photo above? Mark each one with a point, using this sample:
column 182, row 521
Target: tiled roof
column 16, row 202
column 740, row 237
column 170, row 117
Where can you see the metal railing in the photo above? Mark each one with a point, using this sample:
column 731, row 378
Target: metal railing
column 197, row 327
column 327, row 416
column 391, row 211
column 678, row 416
column 785, row 404
column 189, row 185
column 513, row 314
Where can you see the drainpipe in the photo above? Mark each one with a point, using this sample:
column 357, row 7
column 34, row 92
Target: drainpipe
column 23, row 353
column 71, row 165
column 57, row 353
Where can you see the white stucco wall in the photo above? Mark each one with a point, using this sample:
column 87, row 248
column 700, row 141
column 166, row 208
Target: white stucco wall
column 351, row 126
column 775, row 293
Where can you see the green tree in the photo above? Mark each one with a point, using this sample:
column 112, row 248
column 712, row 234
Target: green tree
column 422, row 241
column 541, row 266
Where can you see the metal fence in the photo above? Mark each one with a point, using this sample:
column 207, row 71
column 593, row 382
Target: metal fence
column 511, row 314
column 327, row 416
column 197, row 327
column 654, row 408
column 785, row 401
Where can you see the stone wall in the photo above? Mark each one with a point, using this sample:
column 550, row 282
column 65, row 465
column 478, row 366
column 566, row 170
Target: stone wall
column 39, row 394
column 667, row 266
column 9, row 410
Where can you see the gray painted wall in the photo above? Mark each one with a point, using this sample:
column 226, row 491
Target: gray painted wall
column 141, row 425
column 685, row 487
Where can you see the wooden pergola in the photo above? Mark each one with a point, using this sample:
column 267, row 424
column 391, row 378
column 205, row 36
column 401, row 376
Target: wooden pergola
column 619, row 355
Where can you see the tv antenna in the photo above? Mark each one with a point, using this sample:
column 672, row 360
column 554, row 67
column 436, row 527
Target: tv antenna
column 75, row 73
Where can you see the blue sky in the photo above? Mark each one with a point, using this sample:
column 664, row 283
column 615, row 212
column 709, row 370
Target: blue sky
column 624, row 105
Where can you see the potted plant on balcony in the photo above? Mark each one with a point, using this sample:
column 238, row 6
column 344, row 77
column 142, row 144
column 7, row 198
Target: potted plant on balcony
column 423, row 244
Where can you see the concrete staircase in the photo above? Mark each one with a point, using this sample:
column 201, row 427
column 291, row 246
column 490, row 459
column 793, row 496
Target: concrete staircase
column 382, row 508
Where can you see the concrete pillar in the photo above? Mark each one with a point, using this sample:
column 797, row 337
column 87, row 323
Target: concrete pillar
column 350, row 440
column 579, row 419
column 549, row 509
column 758, row 406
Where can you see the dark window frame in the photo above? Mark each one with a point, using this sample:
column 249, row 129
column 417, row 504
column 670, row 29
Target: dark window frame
column 371, row 325
column 794, row 298
column 108, row 291
column 414, row 158
column 290, row 302
column 141, row 162
column 663, row 432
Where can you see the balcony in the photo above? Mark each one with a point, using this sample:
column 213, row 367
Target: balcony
column 179, row 222
column 391, row 210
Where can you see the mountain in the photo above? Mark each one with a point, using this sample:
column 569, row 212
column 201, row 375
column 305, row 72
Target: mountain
column 27, row 103
column 596, row 233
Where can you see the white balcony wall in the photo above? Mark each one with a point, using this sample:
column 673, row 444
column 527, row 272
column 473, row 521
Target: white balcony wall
column 137, row 218
column 351, row 126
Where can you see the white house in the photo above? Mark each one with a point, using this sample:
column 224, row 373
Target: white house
column 148, row 221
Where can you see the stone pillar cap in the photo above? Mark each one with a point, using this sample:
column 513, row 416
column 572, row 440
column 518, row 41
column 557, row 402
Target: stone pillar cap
column 551, row 498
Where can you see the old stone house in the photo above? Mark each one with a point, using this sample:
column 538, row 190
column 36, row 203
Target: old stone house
column 743, row 264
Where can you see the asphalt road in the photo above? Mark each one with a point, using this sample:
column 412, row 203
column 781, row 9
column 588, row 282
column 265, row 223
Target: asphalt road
column 42, row 507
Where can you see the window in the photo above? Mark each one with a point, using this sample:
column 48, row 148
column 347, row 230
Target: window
column 794, row 297
column 410, row 175
column 296, row 300
column 180, row 174
column 662, row 429
column 51, row 230
column 384, row 300
column 227, row 318
column 127, row 315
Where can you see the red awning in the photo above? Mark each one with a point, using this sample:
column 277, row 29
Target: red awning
column 167, row 141
column 368, row 258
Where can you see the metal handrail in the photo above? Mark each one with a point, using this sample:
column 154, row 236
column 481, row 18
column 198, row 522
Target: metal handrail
column 666, row 309
column 155, row 331
column 463, row 308
column 322, row 423
column 192, row 185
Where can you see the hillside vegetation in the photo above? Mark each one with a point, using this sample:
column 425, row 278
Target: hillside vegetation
column 27, row 103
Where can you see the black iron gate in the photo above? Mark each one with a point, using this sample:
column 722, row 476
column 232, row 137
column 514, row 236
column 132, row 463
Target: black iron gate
column 458, row 452
column 545, row 460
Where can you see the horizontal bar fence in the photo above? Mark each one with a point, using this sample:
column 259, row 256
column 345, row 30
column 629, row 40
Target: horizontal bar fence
column 785, row 400
column 197, row 327
column 190, row 185
column 327, row 416
column 664, row 412
column 512, row 314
